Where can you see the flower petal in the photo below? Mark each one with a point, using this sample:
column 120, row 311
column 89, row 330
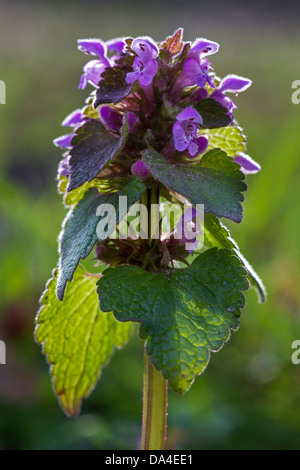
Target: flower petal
column 73, row 119
column 193, row 149
column 234, row 84
column 83, row 82
column 247, row 164
column 191, row 71
column 131, row 77
column 133, row 122
column 223, row 100
column 110, row 118
column 140, row 169
column 148, row 73
column 64, row 141
column 92, row 46
column 202, row 143
column 180, row 140
column 93, row 71
column 203, row 47
column 145, row 48
column 190, row 114
column 64, row 167
column 116, row 45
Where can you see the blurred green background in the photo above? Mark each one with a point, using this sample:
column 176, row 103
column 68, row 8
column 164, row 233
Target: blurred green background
column 249, row 396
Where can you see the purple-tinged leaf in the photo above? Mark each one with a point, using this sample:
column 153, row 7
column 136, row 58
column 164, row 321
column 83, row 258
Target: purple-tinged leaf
column 93, row 148
column 113, row 87
column 212, row 113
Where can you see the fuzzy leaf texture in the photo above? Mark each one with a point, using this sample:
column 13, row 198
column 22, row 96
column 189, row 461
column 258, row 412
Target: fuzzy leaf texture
column 215, row 181
column 217, row 235
column 93, row 148
column 184, row 314
column 213, row 114
column 78, row 235
column 230, row 139
column 77, row 338
column 113, row 88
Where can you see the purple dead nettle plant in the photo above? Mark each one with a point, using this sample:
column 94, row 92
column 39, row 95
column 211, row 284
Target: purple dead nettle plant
column 158, row 128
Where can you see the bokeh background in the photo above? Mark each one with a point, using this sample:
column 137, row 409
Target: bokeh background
column 249, row 396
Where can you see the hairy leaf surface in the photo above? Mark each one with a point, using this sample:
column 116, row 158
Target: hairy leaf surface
column 77, row 338
column 78, row 235
column 184, row 314
column 215, row 181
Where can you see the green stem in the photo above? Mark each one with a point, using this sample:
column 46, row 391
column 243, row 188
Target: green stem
column 155, row 388
column 155, row 403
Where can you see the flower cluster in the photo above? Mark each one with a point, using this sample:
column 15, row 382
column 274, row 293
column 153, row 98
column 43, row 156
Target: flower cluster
column 152, row 162
column 162, row 99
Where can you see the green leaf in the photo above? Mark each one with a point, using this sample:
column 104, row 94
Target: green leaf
column 73, row 197
column 212, row 113
column 93, row 148
column 78, row 235
column 229, row 139
column 77, row 338
column 216, row 181
column 184, row 314
column 217, row 235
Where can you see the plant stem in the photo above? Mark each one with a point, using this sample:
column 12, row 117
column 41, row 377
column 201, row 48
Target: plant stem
column 155, row 403
column 155, row 388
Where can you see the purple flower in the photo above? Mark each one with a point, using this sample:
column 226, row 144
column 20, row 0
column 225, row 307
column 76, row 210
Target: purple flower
column 188, row 228
column 247, row 164
column 140, row 169
column 93, row 46
column 195, row 69
column 145, row 49
column 64, row 141
column 194, row 72
column 116, row 45
column 143, row 72
column 230, row 84
column 63, row 167
column 203, row 47
column 113, row 120
column 234, row 84
column 185, row 133
column 92, row 72
column 110, row 118
column 144, row 64
column 133, row 122
column 74, row 119
column 99, row 48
